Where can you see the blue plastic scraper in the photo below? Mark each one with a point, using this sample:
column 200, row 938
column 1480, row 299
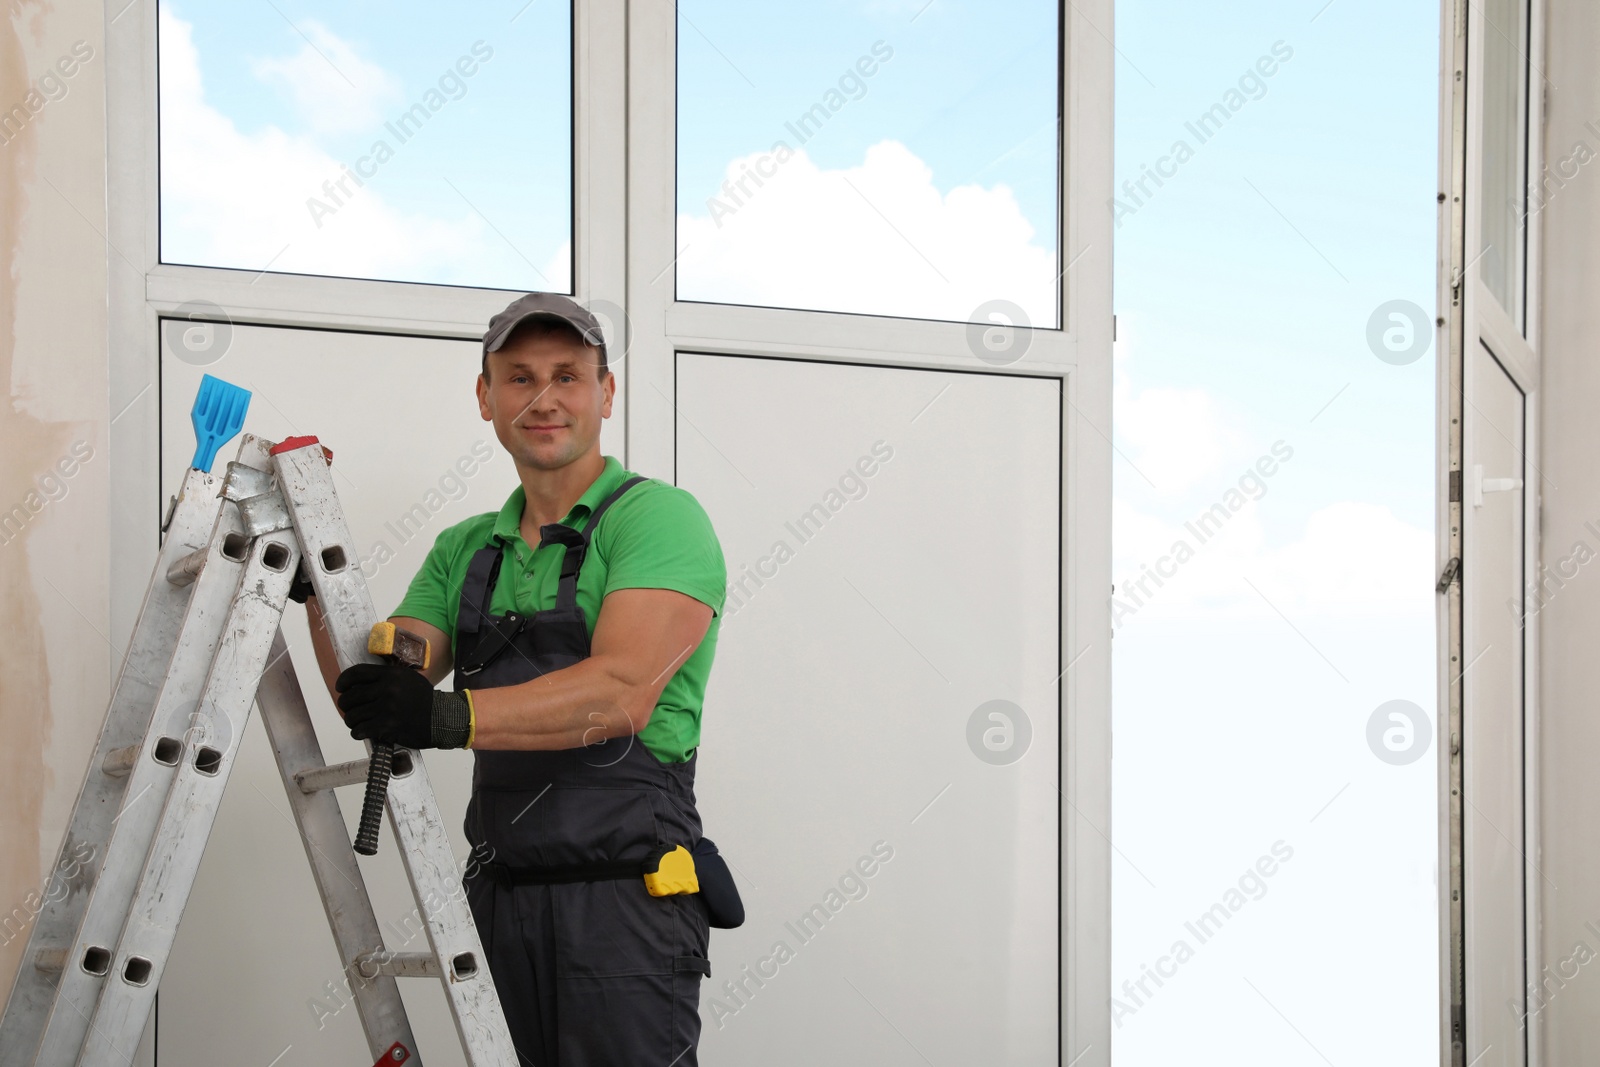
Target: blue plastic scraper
column 218, row 414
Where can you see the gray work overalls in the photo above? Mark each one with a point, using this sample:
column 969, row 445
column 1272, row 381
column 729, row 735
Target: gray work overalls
column 592, row 970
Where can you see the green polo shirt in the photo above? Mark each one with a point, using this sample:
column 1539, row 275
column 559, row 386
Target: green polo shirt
column 656, row 536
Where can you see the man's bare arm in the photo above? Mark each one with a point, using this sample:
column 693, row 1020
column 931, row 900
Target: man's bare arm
column 440, row 661
column 640, row 639
column 322, row 642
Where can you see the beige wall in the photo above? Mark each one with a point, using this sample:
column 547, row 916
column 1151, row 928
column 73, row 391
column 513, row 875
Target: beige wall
column 1570, row 620
column 56, row 659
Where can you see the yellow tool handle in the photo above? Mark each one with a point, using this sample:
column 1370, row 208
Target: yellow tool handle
column 387, row 639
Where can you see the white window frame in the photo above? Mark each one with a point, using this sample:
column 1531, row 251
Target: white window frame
column 624, row 216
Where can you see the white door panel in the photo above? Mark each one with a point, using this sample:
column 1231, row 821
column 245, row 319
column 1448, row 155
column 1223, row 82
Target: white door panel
column 1493, row 716
column 855, row 649
column 1491, row 899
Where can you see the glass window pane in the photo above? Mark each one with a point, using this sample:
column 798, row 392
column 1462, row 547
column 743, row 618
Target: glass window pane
column 1503, row 205
column 413, row 142
column 887, row 158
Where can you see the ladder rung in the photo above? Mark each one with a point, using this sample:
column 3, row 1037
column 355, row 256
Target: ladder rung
column 119, row 761
column 333, row 776
column 352, row 773
column 396, row 965
column 50, row 960
column 185, row 569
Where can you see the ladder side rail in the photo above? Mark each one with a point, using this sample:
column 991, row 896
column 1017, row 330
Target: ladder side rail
column 436, row 884
column 128, row 716
column 190, row 811
column 305, row 479
column 150, row 777
column 327, row 843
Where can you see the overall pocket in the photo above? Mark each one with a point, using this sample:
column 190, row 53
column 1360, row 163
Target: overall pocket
column 717, row 890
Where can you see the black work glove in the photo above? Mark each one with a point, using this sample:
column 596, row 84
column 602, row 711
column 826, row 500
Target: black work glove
column 300, row 588
column 395, row 703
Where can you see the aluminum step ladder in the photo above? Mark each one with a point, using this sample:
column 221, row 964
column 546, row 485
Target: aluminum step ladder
column 206, row 647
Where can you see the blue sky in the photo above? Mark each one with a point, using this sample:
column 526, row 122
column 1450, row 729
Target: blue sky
column 1344, row 145
column 1243, row 688
column 969, row 88
column 287, row 92
column 1243, row 290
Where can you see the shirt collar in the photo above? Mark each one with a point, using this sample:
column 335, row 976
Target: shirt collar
column 508, row 524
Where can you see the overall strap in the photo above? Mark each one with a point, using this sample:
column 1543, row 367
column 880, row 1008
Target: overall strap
column 477, row 589
column 578, row 544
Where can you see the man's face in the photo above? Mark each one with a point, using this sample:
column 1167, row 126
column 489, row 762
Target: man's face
column 546, row 399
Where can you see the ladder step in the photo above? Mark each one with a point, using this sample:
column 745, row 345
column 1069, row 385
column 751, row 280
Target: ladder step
column 354, row 772
column 120, row 761
column 332, row 777
column 187, row 568
column 50, row 960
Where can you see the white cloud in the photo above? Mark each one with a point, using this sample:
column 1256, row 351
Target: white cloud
column 1176, row 437
column 1213, row 559
column 1352, row 558
column 335, row 90
column 878, row 238
column 1179, row 437
column 239, row 200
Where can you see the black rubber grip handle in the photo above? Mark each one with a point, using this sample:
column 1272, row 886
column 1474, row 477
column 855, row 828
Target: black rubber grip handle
column 379, row 767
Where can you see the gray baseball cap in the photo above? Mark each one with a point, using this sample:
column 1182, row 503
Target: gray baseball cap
column 546, row 306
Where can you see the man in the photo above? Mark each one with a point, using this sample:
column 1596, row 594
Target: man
column 581, row 621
